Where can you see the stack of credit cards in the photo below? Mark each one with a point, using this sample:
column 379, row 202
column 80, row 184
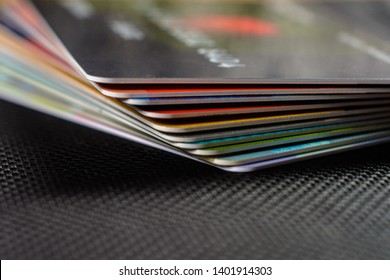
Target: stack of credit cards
column 240, row 85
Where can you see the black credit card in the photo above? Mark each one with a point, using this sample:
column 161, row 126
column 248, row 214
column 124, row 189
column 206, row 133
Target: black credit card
column 284, row 42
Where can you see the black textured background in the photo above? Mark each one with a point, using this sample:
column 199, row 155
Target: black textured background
column 70, row 192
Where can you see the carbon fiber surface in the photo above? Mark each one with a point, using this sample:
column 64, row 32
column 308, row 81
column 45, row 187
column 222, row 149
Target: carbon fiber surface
column 71, row 192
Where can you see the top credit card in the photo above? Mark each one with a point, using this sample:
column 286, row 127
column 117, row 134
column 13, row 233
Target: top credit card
column 210, row 41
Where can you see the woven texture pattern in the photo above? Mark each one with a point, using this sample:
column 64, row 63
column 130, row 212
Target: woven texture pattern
column 70, row 192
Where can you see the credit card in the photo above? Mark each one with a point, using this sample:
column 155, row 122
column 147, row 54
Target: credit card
column 179, row 90
column 305, row 156
column 186, row 126
column 246, row 98
column 267, row 42
column 252, row 157
column 235, row 148
column 201, row 111
column 360, row 121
